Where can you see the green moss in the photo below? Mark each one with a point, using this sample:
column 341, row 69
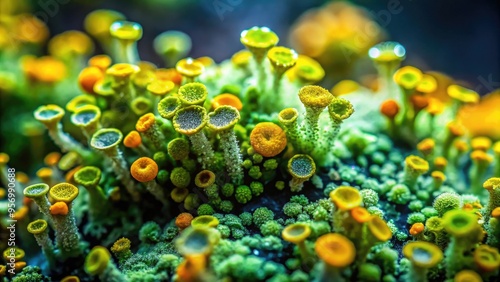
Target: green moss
column 370, row 197
column 429, row 212
column 224, row 230
column 150, row 232
column 161, row 159
column 163, row 176
column 205, row 209
column 415, row 217
column 247, row 164
column 270, row 164
column 261, row 215
column 320, row 214
column 292, row 209
column 271, row 228
column 257, row 159
column 387, row 258
column 226, row 206
column 399, row 194
column 243, row 194
column 254, row 172
column 30, row 274
column 227, row 190
column 180, row 177
column 299, row 199
column 257, row 188
column 246, row 218
column 446, row 202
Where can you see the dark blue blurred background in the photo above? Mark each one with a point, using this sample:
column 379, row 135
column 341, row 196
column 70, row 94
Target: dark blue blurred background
column 460, row 38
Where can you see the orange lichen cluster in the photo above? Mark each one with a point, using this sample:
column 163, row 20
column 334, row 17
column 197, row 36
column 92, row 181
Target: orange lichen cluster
column 227, row 99
column 44, row 69
column 183, row 220
column 144, row 169
column 268, row 139
column 88, row 77
column 132, row 140
column 59, row 208
column 145, row 122
column 389, row 108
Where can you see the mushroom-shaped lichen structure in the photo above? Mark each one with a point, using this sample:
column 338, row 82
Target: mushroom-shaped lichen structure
column 204, row 179
column 492, row 185
column 50, row 116
column 339, row 110
column 268, row 139
column 477, row 174
column 168, row 106
column 87, row 118
column 38, row 192
column 301, row 168
column 414, row 167
column 388, row 53
column 288, row 119
column 193, row 93
column 172, row 45
column 99, row 262
column 178, row 149
column 15, row 253
column 281, row 59
column 39, row 229
column 461, row 96
column 66, row 231
column 222, row 121
column 336, row 252
column 307, row 71
column 464, row 231
column 127, row 33
column 133, row 140
column 89, row 177
column 227, row 99
column 106, row 140
column 160, row 88
column 377, row 232
column 179, row 194
column 423, row 256
column 297, row 234
column 121, row 249
column 120, row 75
column 387, row 57
column 467, row 275
column 79, row 101
column 258, row 40
column 190, row 121
column 189, row 68
column 205, row 221
column 145, row 170
column 346, row 198
column 487, row 258
column 146, row 124
column 97, row 24
column 195, row 244
column 315, row 99
column 141, row 105
column 407, row 78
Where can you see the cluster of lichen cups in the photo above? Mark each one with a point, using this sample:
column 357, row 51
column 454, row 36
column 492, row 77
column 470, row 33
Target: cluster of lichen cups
column 204, row 137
